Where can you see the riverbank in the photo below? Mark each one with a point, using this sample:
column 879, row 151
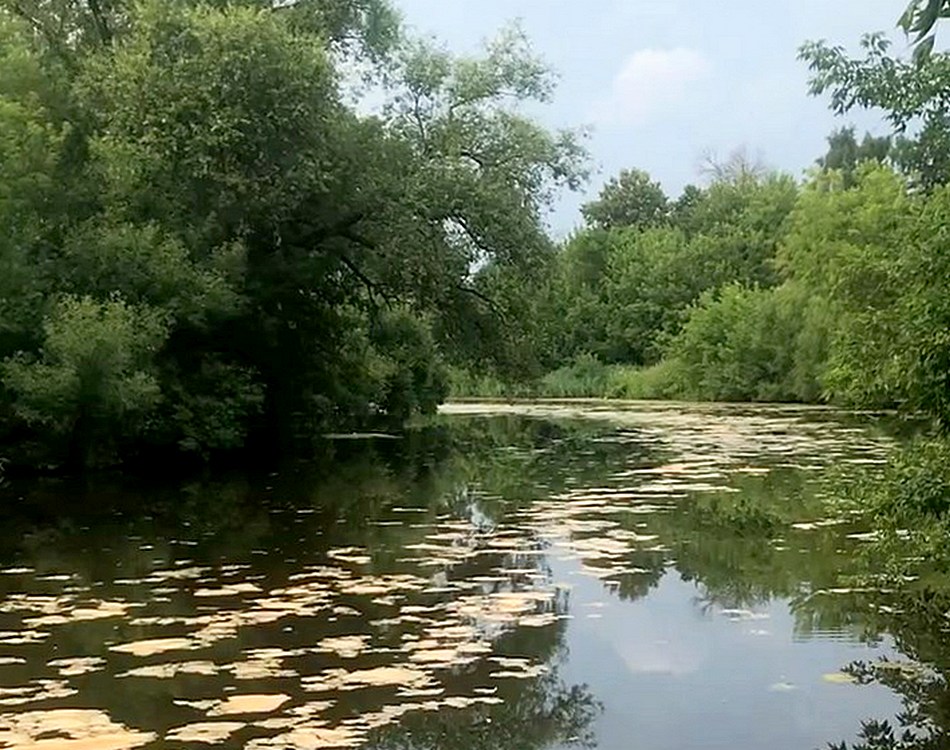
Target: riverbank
column 586, row 378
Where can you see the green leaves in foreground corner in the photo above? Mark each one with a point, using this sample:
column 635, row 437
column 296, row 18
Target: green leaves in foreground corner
column 919, row 19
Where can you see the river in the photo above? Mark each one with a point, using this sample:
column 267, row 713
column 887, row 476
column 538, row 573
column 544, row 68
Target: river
column 615, row 576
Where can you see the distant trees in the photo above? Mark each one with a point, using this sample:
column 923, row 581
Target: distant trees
column 756, row 287
column 845, row 153
column 621, row 288
column 764, row 290
column 631, row 199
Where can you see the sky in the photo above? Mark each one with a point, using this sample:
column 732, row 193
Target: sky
column 660, row 83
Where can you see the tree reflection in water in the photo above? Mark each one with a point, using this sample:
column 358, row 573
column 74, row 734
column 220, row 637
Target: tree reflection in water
column 468, row 518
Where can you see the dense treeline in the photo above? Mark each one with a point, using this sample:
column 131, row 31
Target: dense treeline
column 204, row 244
column 758, row 287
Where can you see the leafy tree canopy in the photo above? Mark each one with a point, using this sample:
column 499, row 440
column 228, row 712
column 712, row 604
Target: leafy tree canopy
column 631, row 199
column 188, row 194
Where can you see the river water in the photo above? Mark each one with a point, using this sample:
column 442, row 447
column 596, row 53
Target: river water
column 509, row 576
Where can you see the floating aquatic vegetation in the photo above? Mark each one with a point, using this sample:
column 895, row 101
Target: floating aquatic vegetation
column 264, row 664
column 68, row 729
column 311, row 737
column 152, row 646
column 173, row 669
column 248, row 704
column 208, row 732
column 79, row 665
column 356, row 555
column 408, row 617
column 233, row 589
column 342, row 679
column 41, row 690
column 346, row 646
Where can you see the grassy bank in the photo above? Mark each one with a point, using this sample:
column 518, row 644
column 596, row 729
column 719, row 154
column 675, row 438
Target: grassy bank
column 586, row 378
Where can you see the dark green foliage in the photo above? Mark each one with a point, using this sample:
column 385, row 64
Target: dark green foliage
column 93, row 381
column 629, row 200
column 845, row 154
column 203, row 246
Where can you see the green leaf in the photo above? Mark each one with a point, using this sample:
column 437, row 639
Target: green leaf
column 923, row 50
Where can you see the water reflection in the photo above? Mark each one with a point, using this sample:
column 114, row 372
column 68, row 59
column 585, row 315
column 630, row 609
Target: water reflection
column 478, row 583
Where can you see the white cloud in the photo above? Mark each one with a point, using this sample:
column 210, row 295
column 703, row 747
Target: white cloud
column 651, row 82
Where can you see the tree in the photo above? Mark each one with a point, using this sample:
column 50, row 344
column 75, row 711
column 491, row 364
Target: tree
column 870, row 255
column 845, row 153
column 913, row 94
column 739, row 166
column 631, row 199
column 32, row 145
column 683, row 207
column 919, row 19
column 735, row 227
column 94, row 380
column 311, row 266
column 619, row 294
column 479, row 176
column 72, row 28
column 742, row 344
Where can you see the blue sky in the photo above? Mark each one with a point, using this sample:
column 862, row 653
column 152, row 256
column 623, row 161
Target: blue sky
column 661, row 82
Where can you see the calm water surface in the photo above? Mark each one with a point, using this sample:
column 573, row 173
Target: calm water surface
column 514, row 576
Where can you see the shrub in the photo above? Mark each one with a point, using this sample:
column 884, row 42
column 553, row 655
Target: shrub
column 93, row 380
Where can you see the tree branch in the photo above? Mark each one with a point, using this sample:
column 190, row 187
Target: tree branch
column 372, row 288
column 487, row 300
column 102, row 24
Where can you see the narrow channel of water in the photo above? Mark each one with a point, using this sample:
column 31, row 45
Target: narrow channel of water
column 513, row 576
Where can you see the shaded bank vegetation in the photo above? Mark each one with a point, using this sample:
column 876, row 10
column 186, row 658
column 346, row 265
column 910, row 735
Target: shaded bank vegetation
column 204, row 245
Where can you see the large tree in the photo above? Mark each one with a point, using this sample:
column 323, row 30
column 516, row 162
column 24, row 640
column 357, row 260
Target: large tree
column 196, row 165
